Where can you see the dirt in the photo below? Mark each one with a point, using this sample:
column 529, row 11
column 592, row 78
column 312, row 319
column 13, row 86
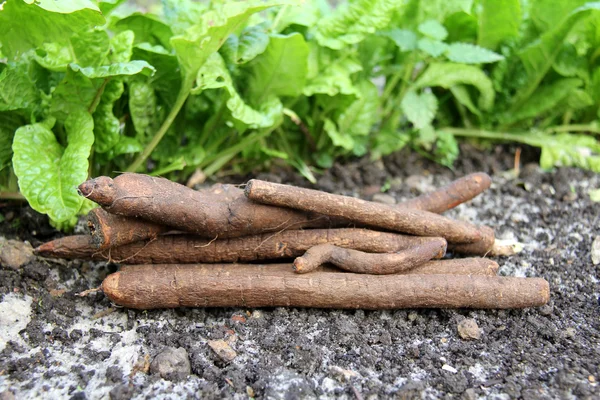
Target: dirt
column 54, row 344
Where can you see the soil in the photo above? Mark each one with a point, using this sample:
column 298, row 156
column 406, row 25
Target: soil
column 54, row 344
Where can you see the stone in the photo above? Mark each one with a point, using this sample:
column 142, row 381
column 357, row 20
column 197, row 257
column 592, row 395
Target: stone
column 14, row 254
column 384, row 198
column 468, row 329
column 172, row 364
column 596, row 251
column 222, row 349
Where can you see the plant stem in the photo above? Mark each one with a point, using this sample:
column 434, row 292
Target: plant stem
column 12, row 196
column 186, row 87
column 98, row 96
column 591, row 128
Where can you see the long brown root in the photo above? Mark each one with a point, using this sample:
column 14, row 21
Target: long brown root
column 415, row 222
column 235, row 285
column 369, row 263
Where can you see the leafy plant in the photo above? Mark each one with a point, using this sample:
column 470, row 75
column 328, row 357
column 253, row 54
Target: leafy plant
column 90, row 88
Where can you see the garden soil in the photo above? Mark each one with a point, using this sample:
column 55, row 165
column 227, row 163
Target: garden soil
column 56, row 345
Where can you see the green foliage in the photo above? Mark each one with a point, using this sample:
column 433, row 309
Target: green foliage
column 91, row 87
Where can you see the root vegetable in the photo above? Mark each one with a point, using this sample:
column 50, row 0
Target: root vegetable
column 481, row 247
column 235, row 285
column 456, row 192
column 416, row 222
column 193, row 249
column 369, row 263
column 110, row 230
column 457, row 266
column 224, row 214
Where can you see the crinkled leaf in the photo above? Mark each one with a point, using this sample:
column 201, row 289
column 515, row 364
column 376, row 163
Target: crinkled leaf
column 405, row 40
column 214, row 75
column 49, row 174
column 9, row 122
column 433, row 29
column 351, row 22
column 434, row 48
column 498, row 20
column 420, row 109
column 544, row 99
column 121, row 47
column 142, row 107
column 251, row 42
column 361, row 115
column 420, row 11
column 147, row 28
column 17, row 91
column 568, row 150
column 467, row 53
column 90, row 48
column 54, row 56
column 538, row 57
column 182, row 14
column 113, row 70
column 204, row 38
column 75, row 92
column 305, row 14
column 280, row 70
column 329, row 74
column 339, row 139
column 447, row 75
column 106, row 124
column 25, row 26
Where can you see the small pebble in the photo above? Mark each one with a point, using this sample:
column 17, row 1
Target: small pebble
column 448, row 368
column 384, row 198
column 14, row 253
column 171, row 364
column 469, row 394
column 596, row 251
column 222, row 349
column 344, row 375
column 468, row 329
column 592, row 379
column 570, row 332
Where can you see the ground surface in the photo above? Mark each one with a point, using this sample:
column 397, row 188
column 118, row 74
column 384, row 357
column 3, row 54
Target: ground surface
column 55, row 345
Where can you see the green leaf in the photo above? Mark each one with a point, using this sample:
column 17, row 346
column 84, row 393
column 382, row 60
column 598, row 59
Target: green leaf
column 417, row 11
column 447, row 75
column 568, row 150
column 570, row 64
column 214, row 75
column 182, row 14
column 420, row 109
column 339, row 139
column 433, row 29
column 544, row 99
column 142, row 108
column 49, row 174
column 204, row 38
column 467, row 53
column 332, row 76
column 106, row 6
column 74, row 93
column 547, row 14
column 434, row 48
column 499, row 20
column 362, row 114
column 252, row 42
column 406, row 40
column 90, row 48
column 353, row 21
column 147, row 28
column 106, row 125
column 17, row 91
column 9, row 122
column 121, row 47
column 54, row 56
column 26, row 26
column 114, row 70
column 461, row 94
column 578, row 99
column 446, row 149
column 167, row 79
column 538, row 57
column 281, row 70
